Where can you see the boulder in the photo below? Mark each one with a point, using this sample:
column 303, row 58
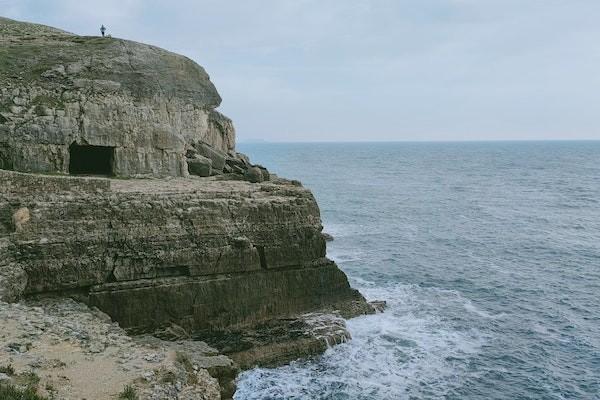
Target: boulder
column 327, row 237
column 378, row 305
column 217, row 157
column 20, row 218
column 238, row 170
column 244, row 158
column 254, row 175
column 235, row 162
column 199, row 165
column 265, row 172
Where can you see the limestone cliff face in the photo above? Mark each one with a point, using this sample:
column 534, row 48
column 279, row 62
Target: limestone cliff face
column 146, row 103
column 202, row 253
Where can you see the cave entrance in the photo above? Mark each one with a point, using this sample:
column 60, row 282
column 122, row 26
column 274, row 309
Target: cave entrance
column 5, row 157
column 91, row 160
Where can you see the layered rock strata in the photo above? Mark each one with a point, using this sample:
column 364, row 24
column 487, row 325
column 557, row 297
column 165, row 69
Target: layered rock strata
column 206, row 254
column 145, row 105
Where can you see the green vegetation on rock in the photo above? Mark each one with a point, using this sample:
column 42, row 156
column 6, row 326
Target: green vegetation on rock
column 7, row 369
column 11, row 392
column 129, row 393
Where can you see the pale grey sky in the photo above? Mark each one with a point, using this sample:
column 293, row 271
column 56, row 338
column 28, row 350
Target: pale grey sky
column 311, row 70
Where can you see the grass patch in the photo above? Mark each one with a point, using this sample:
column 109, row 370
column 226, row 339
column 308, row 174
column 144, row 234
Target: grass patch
column 29, row 379
column 128, row 393
column 10, row 392
column 7, row 369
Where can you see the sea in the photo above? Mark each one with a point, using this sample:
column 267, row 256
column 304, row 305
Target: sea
column 487, row 253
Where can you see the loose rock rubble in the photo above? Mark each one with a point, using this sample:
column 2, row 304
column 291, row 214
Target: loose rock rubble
column 204, row 160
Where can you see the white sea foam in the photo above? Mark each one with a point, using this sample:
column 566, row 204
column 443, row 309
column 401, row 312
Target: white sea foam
column 402, row 352
column 469, row 306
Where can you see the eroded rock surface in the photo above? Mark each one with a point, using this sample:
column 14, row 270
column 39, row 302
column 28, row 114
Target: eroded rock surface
column 206, row 254
column 146, row 104
column 68, row 351
column 281, row 340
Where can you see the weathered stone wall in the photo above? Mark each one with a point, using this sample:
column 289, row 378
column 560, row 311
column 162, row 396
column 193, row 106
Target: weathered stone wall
column 202, row 253
column 57, row 89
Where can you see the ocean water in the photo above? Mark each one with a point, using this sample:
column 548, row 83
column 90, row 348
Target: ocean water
column 488, row 255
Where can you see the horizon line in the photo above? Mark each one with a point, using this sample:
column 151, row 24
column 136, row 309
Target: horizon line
column 258, row 141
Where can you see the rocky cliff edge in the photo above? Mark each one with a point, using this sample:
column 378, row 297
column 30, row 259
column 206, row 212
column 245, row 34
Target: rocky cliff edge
column 166, row 285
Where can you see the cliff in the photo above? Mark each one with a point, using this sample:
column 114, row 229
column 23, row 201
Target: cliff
column 145, row 104
column 234, row 257
column 155, row 252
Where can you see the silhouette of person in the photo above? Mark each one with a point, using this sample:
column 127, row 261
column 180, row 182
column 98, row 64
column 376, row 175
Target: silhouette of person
column 102, row 30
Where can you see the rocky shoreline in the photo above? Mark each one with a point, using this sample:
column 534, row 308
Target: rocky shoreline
column 67, row 350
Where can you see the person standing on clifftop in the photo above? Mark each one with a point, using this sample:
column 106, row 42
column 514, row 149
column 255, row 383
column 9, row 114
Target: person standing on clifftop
column 102, row 30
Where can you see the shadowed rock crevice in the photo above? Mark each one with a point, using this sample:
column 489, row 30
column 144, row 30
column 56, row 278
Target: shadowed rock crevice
column 263, row 259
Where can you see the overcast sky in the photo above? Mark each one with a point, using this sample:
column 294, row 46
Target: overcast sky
column 311, row 70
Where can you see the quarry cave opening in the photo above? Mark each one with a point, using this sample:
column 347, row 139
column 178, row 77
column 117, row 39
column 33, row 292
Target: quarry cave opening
column 91, row 160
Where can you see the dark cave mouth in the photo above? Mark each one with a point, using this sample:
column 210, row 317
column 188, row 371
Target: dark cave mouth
column 91, row 160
